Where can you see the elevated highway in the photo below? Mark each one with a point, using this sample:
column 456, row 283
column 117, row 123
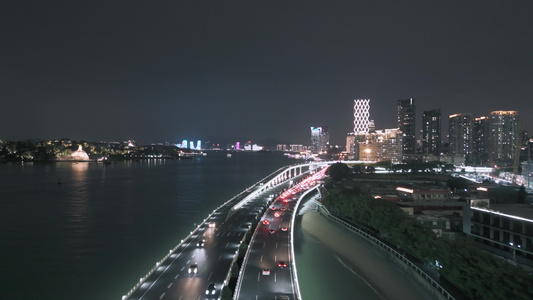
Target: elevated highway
column 207, row 255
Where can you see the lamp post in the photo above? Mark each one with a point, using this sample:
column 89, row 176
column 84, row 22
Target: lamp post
column 514, row 250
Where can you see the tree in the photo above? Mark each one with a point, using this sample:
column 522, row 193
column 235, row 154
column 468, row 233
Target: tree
column 226, row 293
column 522, row 194
column 338, row 171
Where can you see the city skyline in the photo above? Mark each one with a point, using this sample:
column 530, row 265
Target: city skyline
column 167, row 71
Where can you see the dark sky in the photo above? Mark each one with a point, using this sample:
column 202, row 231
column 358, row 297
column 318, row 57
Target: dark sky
column 158, row 71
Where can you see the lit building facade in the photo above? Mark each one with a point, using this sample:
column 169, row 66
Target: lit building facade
column 381, row 145
column 407, row 124
column 481, row 141
column 431, row 132
column 504, row 135
column 297, row 148
column 460, row 131
column 319, row 139
column 361, row 114
column 361, row 126
column 281, row 147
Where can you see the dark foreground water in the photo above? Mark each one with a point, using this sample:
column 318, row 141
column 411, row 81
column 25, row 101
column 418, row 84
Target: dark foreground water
column 104, row 226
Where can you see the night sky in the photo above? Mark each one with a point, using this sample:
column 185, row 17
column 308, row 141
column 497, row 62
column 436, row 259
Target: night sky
column 157, row 71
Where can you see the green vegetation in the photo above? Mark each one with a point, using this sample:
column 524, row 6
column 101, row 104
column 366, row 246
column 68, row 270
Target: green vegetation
column 226, row 293
column 476, row 273
column 53, row 150
column 338, row 171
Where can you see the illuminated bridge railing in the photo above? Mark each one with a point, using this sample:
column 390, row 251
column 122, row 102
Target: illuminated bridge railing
column 436, row 287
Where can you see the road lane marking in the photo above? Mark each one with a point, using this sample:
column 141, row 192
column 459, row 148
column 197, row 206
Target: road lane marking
column 189, row 261
column 182, row 268
column 274, row 277
column 169, row 285
column 261, row 258
column 264, row 244
column 176, row 277
column 220, row 257
column 162, row 295
column 193, row 255
column 258, row 276
column 209, row 276
column 227, row 245
column 276, row 245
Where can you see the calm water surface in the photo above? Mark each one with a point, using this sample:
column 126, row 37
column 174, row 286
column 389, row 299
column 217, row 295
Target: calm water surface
column 104, row 226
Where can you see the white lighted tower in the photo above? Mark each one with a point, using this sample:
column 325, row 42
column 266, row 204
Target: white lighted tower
column 361, row 113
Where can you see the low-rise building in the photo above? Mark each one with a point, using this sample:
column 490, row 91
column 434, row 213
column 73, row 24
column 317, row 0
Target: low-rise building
column 507, row 227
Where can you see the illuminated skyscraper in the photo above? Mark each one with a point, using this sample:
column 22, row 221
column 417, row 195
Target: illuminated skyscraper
column 481, row 141
column 504, row 135
column 431, row 132
column 407, row 124
column 319, row 139
column 361, row 113
column 461, row 137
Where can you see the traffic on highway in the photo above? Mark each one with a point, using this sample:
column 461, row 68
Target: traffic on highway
column 199, row 268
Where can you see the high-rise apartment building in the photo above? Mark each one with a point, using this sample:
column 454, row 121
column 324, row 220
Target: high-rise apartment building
column 504, row 135
column 319, row 139
column 381, row 145
column 361, row 114
column 480, row 151
column 461, row 137
column 431, row 132
column 361, row 125
column 407, row 124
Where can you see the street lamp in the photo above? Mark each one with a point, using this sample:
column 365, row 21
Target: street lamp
column 514, row 250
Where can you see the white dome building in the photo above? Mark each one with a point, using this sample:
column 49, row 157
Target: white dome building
column 79, row 155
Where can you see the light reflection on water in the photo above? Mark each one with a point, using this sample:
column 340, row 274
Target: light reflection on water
column 104, row 226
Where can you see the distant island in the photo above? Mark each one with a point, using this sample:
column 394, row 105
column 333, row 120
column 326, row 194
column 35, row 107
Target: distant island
column 68, row 150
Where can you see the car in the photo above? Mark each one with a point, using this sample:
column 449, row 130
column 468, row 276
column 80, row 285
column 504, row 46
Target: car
column 282, row 265
column 277, row 214
column 271, row 231
column 282, row 297
column 265, row 272
column 200, row 243
column 212, row 225
column 283, row 208
column 266, row 222
column 193, row 269
column 273, row 208
column 283, row 228
column 211, row 289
